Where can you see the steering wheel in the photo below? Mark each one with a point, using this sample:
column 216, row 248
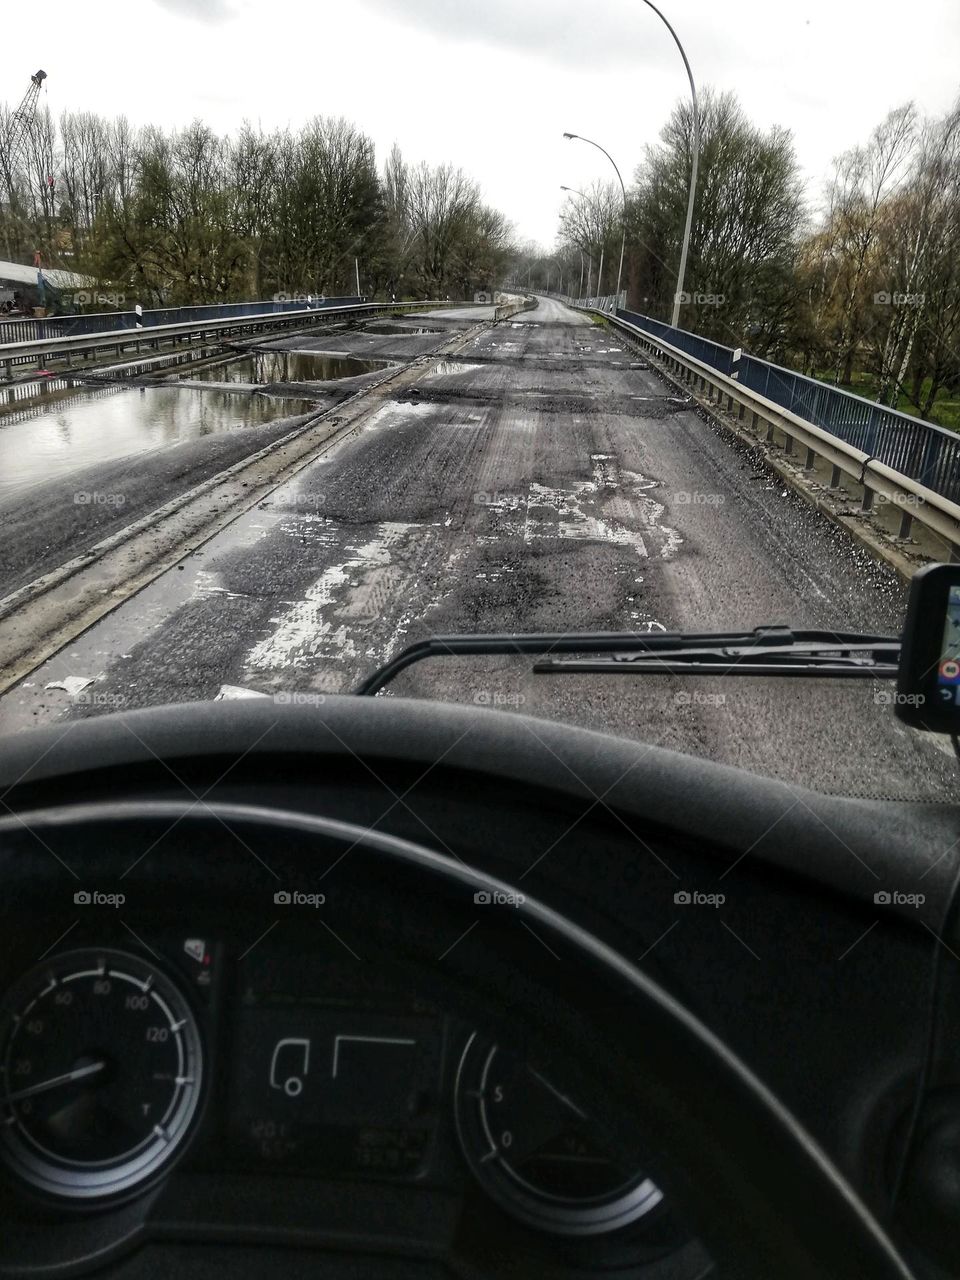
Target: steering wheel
column 764, row 1198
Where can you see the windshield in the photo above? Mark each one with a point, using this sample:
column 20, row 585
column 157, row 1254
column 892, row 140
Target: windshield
column 317, row 356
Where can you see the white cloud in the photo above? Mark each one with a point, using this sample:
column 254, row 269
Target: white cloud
column 201, row 10
column 572, row 33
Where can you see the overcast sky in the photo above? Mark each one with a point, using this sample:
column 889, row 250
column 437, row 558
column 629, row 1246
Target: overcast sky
column 491, row 85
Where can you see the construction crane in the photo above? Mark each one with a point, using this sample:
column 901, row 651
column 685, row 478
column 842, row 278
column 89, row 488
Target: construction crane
column 23, row 118
column 19, row 135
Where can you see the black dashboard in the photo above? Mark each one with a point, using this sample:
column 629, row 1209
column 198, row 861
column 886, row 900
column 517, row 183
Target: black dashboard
column 255, row 1091
column 212, row 1059
column 233, row 1062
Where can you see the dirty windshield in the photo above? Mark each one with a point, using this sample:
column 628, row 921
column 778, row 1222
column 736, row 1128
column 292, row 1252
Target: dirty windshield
column 327, row 329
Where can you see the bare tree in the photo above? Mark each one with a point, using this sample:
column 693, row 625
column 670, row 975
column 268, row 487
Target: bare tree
column 190, row 216
column 864, row 178
column 442, row 203
column 592, row 222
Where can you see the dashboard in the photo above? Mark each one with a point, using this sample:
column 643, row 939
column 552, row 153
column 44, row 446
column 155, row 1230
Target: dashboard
column 207, row 1043
column 216, row 1083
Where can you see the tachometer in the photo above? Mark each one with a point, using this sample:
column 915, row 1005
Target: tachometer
column 100, row 1069
column 535, row 1151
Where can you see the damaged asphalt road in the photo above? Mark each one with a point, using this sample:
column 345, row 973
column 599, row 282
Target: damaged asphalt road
column 45, row 524
column 542, row 479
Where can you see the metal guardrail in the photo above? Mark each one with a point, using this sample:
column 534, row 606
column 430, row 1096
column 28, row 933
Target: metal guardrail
column 926, row 453
column 38, row 329
column 610, row 303
column 878, row 477
column 20, row 353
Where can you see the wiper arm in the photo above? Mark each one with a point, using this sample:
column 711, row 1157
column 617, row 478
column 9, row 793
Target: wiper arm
column 876, row 660
column 765, row 651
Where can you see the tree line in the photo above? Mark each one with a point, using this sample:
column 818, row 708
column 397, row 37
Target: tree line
column 862, row 290
column 174, row 217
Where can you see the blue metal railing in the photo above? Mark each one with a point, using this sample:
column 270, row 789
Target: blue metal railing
column 36, row 330
column 924, row 452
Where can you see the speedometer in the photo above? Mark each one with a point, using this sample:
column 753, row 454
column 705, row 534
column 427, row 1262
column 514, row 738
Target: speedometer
column 536, row 1152
column 100, row 1072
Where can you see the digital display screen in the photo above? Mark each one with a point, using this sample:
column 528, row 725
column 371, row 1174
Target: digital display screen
column 335, row 1089
column 948, row 669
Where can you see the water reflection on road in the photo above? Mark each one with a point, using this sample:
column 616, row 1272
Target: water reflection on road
column 87, row 426
column 288, row 366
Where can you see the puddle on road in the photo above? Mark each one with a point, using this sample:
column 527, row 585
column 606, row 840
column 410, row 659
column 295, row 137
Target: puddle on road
column 101, row 424
column 27, row 401
column 289, row 366
column 24, row 393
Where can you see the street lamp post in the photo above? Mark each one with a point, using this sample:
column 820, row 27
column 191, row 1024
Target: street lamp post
column 691, row 198
column 574, row 191
column 623, row 191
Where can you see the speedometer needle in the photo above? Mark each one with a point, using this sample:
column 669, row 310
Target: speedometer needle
column 55, row 1082
column 561, row 1097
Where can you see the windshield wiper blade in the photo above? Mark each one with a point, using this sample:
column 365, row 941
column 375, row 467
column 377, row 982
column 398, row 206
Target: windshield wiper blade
column 774, row 650
column 874, row 661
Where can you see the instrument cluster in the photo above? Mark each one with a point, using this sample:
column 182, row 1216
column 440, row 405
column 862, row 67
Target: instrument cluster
column 117, row 1064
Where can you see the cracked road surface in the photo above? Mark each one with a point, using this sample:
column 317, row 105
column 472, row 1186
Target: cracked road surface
column 542, row 479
